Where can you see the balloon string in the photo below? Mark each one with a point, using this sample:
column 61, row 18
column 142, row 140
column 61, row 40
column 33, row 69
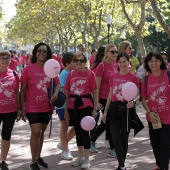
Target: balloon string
column 100, row 110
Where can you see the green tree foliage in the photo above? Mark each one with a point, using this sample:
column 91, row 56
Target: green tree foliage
column 60, row 22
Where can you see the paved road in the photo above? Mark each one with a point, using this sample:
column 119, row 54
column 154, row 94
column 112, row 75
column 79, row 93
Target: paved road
column 141, row 156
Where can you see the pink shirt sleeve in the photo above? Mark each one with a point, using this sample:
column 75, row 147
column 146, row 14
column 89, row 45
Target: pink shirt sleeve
column 144, row 88
column 100, row 70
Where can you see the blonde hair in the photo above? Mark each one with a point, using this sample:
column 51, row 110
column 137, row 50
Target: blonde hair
column 123, row 45
column 5, row 53
column 107, row 48
column 78, row 54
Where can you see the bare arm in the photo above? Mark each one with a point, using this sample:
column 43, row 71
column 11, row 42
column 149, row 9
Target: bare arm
column 55, row 95
column 94, row 113
column 153, row 116
column 99, row 80
column 109, row 98
column 66, row 114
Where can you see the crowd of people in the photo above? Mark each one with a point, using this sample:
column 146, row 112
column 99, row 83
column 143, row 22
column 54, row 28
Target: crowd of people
column 92, row 87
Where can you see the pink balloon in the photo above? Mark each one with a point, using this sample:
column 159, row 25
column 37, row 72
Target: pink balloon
column 52, row 68
column 88, row 123
column 129, row 91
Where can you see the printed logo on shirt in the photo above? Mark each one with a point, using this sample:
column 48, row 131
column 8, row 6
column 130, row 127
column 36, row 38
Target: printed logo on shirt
column 42, row 86
column 158, row 95
column 117, row 91
column 6, row 89
column 77, row 88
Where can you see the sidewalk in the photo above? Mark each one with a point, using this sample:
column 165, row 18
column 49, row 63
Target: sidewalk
column 19, row 157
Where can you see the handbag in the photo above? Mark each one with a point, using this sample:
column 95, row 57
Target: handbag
column 61, row 96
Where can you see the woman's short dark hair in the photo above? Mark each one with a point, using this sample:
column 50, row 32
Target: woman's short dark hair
column 158, row 56
column 120, row 55
column 94, row 49
column 67, row 58
column 49, row 52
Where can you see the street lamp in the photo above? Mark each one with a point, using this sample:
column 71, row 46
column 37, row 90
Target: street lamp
column 157, row 38
column 108, row 21
column 82, row 31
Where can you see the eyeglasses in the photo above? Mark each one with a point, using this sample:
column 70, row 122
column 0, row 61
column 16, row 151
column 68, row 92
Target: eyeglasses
column 4, row 58
column 41, row 51
column 77, row 60
column 113, row 52
column 130, row 48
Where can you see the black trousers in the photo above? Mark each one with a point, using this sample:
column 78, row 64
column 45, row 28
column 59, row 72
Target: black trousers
column 102, row 127
column 118, row 128
column 160, row 141
column 82, row 136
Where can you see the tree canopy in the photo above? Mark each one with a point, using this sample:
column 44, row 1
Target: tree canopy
column 71, row 22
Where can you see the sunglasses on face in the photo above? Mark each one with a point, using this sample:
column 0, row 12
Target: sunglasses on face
column 113, row 52
column 77, row 60
column 130, row 48
column 41, row 51
column 4, row 58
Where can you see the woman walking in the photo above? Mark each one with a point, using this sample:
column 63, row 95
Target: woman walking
column 80, row 87
column 36, row 106
column 9, row 104
column 156, row 101
column 116, row 109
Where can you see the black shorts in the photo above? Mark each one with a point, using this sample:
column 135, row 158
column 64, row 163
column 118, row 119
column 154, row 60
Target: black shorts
column 40, row 117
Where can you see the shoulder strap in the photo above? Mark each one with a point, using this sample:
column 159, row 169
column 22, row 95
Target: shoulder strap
column 71, row 73
column 168, row 73
column 103, row 66
column 146, row 80
column 14, row 73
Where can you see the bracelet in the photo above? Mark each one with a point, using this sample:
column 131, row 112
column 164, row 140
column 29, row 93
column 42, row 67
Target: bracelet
column 95, row 109
column 148, row 112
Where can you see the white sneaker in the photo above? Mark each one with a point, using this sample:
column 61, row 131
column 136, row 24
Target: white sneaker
column 66, row 155
column 106, row 144
column 59, row 146
column 86, row 164
column 78, row 162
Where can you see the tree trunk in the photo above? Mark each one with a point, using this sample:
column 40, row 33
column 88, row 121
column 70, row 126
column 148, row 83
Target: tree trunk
column 96, row 43
column 140, row 43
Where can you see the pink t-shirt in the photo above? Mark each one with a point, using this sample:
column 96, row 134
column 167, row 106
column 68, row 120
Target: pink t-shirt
column 27, row 61
column 151, row 93
column 36, row 94
column 21, row 60
column 9, row 84
column 93, row 69
column 104, row 70
column 92, row 58
column 13, row 64
column 117, row 81
column 80, row 83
